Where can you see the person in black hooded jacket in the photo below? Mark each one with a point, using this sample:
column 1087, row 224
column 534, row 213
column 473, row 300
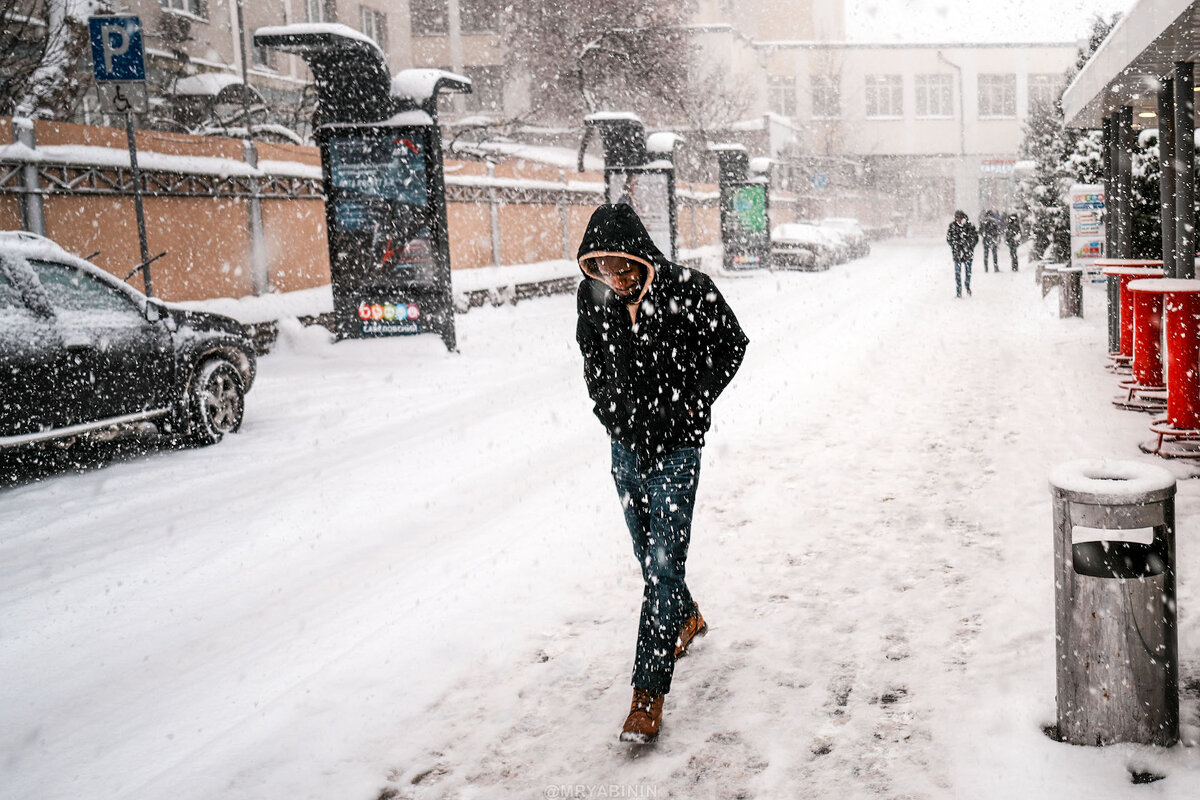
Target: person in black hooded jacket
column 659, row 345
column 962, row 238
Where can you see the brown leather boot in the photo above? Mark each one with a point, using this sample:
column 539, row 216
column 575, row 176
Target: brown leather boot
column 693, row 626
column 645, row 717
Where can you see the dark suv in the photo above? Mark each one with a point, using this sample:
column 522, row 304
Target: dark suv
column 80, row 351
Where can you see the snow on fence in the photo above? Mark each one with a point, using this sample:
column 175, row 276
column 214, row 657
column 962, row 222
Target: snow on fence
column 199, row 192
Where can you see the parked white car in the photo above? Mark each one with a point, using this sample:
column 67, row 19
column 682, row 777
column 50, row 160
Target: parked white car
column 790, row 240
column 852, row 231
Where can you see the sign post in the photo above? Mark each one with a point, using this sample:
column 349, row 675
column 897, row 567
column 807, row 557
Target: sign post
column 119, row 65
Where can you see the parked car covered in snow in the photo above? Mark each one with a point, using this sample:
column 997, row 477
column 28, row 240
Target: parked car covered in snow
column 791, row 239
column 82, row 352
column 853, row 232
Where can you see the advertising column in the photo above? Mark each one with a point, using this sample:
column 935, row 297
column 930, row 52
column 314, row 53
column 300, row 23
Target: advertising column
column 1086, row 203
column 381, row 229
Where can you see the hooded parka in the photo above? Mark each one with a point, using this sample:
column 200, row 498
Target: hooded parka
column 654, row 374
column 962, row 238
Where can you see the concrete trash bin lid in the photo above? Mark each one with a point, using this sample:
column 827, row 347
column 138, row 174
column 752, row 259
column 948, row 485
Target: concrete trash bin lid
column 1112, row 482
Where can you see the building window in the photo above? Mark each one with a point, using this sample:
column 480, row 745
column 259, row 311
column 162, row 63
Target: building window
column 320, row 10
column 885, row 96
column 374, row 24
column 781, row 94
column 429, row 17
column 196, row 8
column 826, row 96
column 263, row 57
column 934, row 97
column 487, row 89
column 997, row 95
column 1043, row 91
column 479, row 16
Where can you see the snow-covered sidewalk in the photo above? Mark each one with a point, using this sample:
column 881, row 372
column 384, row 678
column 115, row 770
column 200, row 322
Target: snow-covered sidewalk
column 409, row 576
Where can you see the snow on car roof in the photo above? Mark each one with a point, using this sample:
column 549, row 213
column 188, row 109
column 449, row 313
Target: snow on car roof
column 32, row 246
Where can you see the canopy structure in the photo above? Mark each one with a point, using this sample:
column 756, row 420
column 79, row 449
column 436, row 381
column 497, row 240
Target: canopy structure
column 1129, row 66
column 1145, row 67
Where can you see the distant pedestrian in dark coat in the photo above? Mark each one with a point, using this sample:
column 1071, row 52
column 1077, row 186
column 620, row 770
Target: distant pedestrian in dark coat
column 1012, row 235
column 962, row 238
column 659, row 344
column 989, row 231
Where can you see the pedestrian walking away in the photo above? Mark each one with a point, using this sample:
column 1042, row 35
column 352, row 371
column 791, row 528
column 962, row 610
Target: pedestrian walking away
column 1012, row 236
column 962, row 238
column 659, row 346
column 989, row 231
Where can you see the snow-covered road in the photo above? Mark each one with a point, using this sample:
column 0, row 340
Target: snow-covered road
column 409, row 574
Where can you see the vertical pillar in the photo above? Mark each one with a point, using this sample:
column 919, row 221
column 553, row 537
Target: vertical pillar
column 564, row 217
column 33, row 215
column 1166, row 183
column 1185, row 171
column 1110, row 229
column 1111, row 190
column 259, row 277
column 1124, row 129
column 494, row 213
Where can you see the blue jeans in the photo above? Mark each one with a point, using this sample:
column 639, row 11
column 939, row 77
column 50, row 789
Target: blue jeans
column 960, row 266
column 991, row 247
column 659, row 495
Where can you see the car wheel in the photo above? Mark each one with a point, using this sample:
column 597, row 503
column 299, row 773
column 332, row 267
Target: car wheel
column 216, row 400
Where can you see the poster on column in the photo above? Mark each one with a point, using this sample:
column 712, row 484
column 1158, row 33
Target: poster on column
column 1086, row 204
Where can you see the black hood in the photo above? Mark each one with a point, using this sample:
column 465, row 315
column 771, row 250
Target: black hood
column 617, row 230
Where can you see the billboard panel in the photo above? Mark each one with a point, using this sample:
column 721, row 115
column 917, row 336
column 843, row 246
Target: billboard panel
column 382, row 232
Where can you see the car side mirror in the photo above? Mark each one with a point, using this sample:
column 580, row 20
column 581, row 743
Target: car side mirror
column 155, row 310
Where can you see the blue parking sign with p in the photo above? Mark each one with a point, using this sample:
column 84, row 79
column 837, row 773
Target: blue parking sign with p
column 117, row 53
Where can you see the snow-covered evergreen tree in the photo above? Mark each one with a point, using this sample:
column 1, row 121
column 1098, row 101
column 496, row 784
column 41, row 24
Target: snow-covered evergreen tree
column 1060, row 156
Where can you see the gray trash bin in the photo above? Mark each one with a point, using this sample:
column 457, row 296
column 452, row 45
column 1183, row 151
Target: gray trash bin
column 1070, row 292
column 1114, row 603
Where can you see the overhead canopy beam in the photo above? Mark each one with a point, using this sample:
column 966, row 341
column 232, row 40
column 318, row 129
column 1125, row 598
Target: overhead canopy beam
column 1126, row 69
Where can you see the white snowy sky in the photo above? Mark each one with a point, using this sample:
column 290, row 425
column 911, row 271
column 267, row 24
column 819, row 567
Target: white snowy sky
column 974, row 20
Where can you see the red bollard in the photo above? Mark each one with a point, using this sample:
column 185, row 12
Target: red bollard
column 1124, row 276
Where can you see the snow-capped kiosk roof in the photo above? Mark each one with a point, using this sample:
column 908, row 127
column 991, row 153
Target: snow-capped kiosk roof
column 354, row 86
column 760, row 165
column 422, row 84
column 300, row 29
column 206, row 84
column 717, row 147
column 662, row 142
column 613, row 116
